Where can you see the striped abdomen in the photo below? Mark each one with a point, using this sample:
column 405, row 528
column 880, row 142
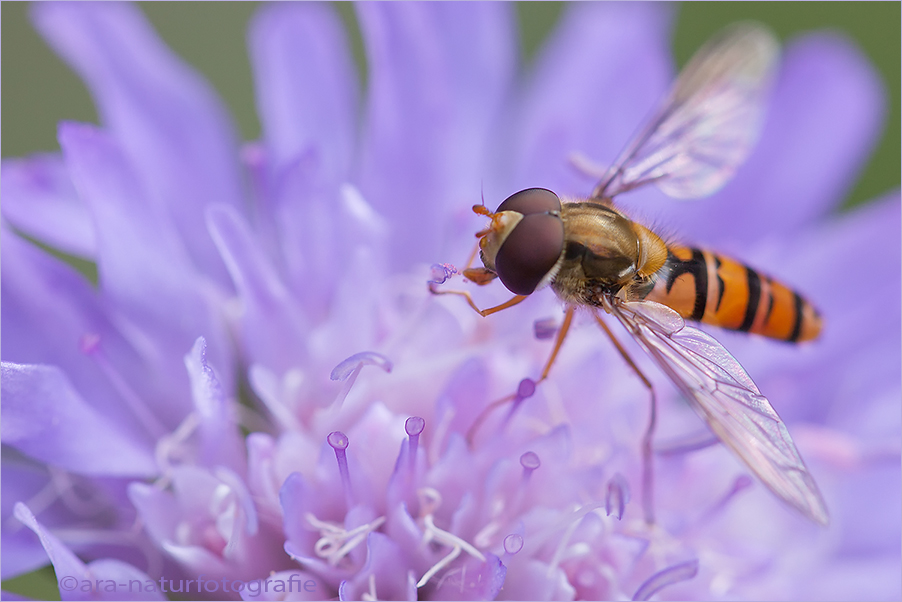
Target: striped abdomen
column 710, row 288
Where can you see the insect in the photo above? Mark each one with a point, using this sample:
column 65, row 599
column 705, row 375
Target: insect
column 595, row 257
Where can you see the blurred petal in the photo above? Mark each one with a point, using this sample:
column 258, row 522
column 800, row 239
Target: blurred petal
column 306, row 85
column 175, row 132
column 476, row 580
column 40, row 200
column 141, row 261
column 45, row 418
column 48, row 311
column 104, row 579
column 221, row 444
column 438, row 73
column 272, row 328
column 22, row 553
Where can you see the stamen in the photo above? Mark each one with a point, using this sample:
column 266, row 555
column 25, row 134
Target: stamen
column 339, row 442
column 431, row 532
column 569, row 523
column 370, row 596
column 674, row 574
column 336, row 542
column 169, row 444
column 430, row 500
column 618, row 494
column 90, row 346
column 545, row 328
column 439, row 273
column 348, row 370
column 413, row 426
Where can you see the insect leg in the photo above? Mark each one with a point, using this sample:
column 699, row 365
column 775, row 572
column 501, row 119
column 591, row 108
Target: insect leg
column 647, row 451
column 561, row 334
column 482, row 312
column 527, row 387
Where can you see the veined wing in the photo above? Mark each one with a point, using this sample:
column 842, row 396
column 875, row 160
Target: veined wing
column 722, row 393
column 707, row 124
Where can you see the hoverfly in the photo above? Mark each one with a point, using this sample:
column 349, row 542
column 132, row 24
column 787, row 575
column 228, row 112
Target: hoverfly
column 595, row 257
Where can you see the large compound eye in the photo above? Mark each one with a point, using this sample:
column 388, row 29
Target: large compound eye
column 531, row 200
column 530, row 251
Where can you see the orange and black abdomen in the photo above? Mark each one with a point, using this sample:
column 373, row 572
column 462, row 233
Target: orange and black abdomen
column 710, row 288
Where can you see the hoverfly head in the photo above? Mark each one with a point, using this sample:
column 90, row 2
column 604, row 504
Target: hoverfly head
column 525, row 240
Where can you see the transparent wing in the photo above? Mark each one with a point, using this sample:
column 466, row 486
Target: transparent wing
column 722, row 393
column 707, row 124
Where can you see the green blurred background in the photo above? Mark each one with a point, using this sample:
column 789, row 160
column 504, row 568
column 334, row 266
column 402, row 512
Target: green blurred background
column 38, row 90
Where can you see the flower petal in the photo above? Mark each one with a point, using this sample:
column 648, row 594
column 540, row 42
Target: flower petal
column 306, row 85
column 220, row 443
column 273, row 330
column 21, row 481
column 438, row 73
column 45, row 418
column 384, row 572
column 142, row 263
column 173, row 128
column 48, row 311
column 476, row 580
column 103, row 578
column 40, row 200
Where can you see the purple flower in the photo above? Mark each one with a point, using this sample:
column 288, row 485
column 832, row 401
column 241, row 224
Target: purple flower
column 260, row 394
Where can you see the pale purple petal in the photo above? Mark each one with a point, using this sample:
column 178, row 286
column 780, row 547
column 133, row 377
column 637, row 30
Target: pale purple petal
column 175, row 131
column 221, row 444
column 384, row 572
column 296, row 497
column 40, row 200
column 476, row 580
column 437, row 73
column 45, row 418
column 463, row 399
column 142, row 264
column 68, row 567
column 48, row 310
column 272, row 328
column 22, row 552
column 306, row 86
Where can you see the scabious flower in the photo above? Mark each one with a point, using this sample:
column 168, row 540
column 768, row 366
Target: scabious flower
column 260, row 391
